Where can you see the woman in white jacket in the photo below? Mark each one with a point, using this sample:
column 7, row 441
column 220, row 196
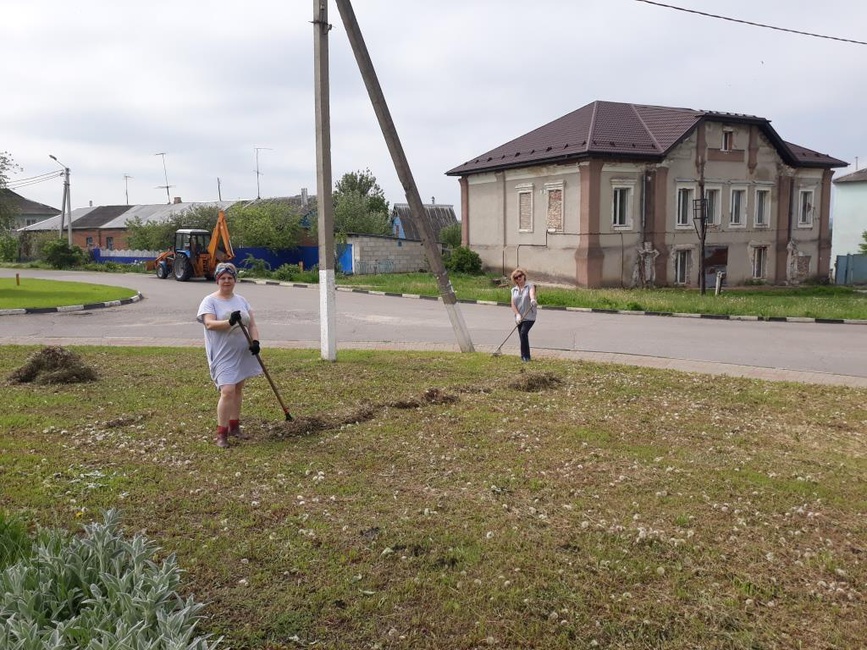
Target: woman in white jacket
column 524, row 307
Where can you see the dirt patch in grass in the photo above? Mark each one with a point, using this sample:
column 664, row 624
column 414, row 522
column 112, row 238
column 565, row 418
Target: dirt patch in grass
column 531, row 382
column 53, row 365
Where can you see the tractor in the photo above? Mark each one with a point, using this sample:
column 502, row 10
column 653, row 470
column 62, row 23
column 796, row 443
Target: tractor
column 196, row 253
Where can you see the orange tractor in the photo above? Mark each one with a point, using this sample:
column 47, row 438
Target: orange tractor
column 196, row 253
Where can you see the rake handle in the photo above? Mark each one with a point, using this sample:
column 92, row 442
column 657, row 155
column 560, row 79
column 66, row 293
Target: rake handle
column 267, row 374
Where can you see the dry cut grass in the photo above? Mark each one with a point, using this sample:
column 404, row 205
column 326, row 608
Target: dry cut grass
column 463, row 501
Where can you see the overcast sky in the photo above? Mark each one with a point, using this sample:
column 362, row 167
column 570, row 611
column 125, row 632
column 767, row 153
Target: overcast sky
column 104, row 86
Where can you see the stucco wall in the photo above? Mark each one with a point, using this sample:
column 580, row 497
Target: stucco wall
column 371, row 254
column 850, row 217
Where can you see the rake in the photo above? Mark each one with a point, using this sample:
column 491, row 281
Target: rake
column 499, row 349
column 267, row 376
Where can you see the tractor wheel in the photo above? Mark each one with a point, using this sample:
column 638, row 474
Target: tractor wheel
column 162, row 271
column 182, row 268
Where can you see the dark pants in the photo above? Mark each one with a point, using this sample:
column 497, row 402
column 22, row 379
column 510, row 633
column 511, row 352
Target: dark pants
column 524, row 334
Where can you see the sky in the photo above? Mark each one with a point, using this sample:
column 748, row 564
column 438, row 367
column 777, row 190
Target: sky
column 106, row 86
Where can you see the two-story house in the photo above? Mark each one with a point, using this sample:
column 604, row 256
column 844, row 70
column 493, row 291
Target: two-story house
column 609, row 195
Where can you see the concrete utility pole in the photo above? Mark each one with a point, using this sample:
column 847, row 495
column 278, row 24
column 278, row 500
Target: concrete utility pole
column 401, row 165
column 126, row 178
column 327, row 286
column 66, row 203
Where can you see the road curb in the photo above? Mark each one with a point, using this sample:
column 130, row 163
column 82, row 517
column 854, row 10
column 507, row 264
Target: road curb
column 69, row 308
column 589, row 310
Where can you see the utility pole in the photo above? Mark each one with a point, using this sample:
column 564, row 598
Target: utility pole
column 401, row 165
column 166, row 174
column 66, row 203
column 219, row 190
column 126, row 178
column 327, row 287
column 258, row 173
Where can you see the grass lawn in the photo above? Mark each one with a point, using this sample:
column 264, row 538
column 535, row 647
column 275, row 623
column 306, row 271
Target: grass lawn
column 32, row 293
column 767, row 302
column 430, row 501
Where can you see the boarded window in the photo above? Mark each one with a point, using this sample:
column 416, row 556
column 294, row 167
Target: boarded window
column 555, row 209
column 525, row 211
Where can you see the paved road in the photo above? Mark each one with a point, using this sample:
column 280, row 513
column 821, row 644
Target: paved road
column 289, row 317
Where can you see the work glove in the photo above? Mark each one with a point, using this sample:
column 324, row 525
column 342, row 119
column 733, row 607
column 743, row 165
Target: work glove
column 533, row 304
column 234, row 318
column 254, row 347
column 518, row 319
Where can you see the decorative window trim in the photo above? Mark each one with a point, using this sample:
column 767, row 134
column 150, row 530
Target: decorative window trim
column 805, row 211
column 727, row 142
column 547, row 189
column 525, row 189
column 714, row 211
column 689, row 249
column 616, row 187
column 743, row 189
column 767, row 222
column 753, row 249
column 691, row 188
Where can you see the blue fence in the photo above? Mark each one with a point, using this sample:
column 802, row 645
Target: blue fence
column 306, row 255
column 851, row 269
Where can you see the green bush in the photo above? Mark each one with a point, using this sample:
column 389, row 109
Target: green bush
column 254, row 267
column 60, row 255
column 95, row 591
column 451, row 235
column 294, row 273
column 464, row 260
column 8, row 248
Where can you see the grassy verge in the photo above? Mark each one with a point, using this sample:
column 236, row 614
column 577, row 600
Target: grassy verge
column 767, row 302
column 463, row 501
column 32, row 293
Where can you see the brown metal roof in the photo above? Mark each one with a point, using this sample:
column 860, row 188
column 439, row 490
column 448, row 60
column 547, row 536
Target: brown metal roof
column 621, row 130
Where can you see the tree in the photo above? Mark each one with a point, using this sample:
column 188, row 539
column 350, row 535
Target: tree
column 360, row 205
column 8, row 210
column 863, row 245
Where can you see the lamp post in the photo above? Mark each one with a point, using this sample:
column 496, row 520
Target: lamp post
column 699, row 221
column 66, row 203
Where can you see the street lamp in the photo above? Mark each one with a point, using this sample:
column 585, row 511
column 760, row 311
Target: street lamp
column 66, row 203
column 699, row 221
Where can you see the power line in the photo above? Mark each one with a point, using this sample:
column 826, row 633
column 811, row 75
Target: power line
column 33, row 180
column 747, row 22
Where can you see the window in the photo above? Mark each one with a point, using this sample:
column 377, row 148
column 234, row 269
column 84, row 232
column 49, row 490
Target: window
column 620, row 207
column 713, row 207
column 739, row 204
column 763, row 208
column 525, row 208
column 760, row 259
column 805, row 208
column 88, row 242
column 109, row 243
column 684, row 206
column 728, row 140
column 681, row 267
column 554, row 218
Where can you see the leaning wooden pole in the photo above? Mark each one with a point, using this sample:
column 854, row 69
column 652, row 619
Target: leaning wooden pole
column 325, row 207
column 401, row 165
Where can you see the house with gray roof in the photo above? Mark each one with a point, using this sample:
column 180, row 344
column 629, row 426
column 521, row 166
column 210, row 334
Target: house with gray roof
column 438, row 214
column 27, row 212
column 610, row 196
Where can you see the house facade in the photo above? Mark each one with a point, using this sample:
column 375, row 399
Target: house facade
column 27, row 212
column 608, row 196
column 850, row 213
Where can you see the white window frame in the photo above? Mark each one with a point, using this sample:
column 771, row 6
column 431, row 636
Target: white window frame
column 682, row 260
column 684, row 213
column 525, row 189
column 554, row 187
column 713, row 195
column 621, row 189
column 759, row 261
column 742, row 212
column 806, row 207
column 766, row 205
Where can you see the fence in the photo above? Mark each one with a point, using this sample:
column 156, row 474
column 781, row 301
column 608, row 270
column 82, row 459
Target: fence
column 851, row 269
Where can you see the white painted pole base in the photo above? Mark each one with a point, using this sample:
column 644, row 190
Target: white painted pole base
column 327, row 315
